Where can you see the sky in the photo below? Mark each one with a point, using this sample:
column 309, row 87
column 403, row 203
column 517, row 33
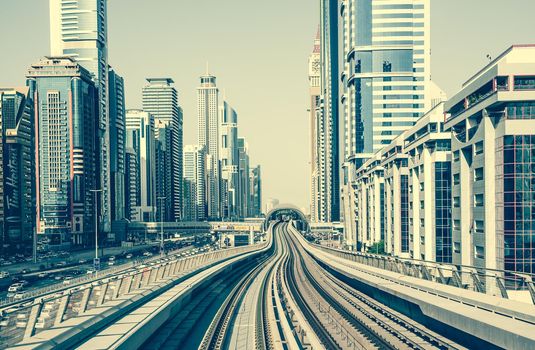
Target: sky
column 258, row 50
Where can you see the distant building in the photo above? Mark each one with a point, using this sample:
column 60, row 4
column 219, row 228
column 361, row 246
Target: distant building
column 117, row 145
column 255, row 184
column 140, row 138
column 229, row 157
column 208, row 137
column 17, row 178
column 194, row 183
column 244, row 188
column 160, row 98
column 271, row 204
column 66, row 106
column 131, row 181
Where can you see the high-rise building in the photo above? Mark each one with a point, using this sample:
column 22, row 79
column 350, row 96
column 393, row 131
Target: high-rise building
column 318, row 178
column 140, row 137
column 194, row 183
column 79, row 29
column 131, row 182
column 208, row 138
column 385, row 81
column 66, row 107
column 117, row 145
column 243, row 170
column 17, row 178
column 229, row 157
column 330, row 94
column 160, row 98
column 255, row 184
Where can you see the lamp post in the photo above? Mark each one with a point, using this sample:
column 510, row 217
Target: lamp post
column 161, row 199
column 96, row 262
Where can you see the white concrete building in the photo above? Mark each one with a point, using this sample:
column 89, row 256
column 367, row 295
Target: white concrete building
column 229, row 158
column 194, row 183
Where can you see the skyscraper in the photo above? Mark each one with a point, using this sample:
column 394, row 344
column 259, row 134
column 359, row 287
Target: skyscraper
column 160, row 98
column 255, row 181
column 140, row 137
column 17, row 178
column 194, row 183
column 208, row 137
column 329, row 80
column 79, row 29
column 229, row 156
column 66, row 106
column 244, row 188
column 318, row 178
column 117, row 145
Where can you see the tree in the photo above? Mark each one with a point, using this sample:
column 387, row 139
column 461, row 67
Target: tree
column 377, row 248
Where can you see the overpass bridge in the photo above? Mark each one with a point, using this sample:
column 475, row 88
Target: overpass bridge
column 284, row 293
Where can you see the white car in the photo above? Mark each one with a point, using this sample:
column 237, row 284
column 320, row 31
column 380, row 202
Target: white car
column 15, row 287
column 67, row 280
column 4, row 274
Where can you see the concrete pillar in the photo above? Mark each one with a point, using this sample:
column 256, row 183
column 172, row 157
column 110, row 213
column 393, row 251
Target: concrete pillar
column 103, row 291
column 128, row 284
column 61, row 309
column 118, row 286
column 85, row 299
column 32, row 319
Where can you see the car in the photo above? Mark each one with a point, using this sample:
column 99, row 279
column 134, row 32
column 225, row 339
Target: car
column 25, row 271
column 42, row 275
column 82, row 261
column 61, row 264
column 68, row 280
column 4, row 274
column 58, row 277
column 147, row 254
column 111, row 258
column 90, row 272
column 19, row 296
column 129, row 256
column 15, row 287
column 24, row 283
column 111, row 263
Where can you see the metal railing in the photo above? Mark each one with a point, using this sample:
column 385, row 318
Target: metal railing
column 500, row 283
column 25, row 319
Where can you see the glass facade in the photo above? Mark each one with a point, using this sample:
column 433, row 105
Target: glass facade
column 515, row 201
column 443, row 237
column 404, row 201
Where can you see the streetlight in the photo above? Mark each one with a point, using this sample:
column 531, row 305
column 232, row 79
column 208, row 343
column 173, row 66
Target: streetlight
column 96, row 262
column 161, row 199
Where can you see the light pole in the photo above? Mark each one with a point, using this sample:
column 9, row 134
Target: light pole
column 96, row 262
column 161, row 199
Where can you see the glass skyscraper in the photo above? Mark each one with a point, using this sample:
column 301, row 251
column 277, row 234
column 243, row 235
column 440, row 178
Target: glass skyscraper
column 66, row 105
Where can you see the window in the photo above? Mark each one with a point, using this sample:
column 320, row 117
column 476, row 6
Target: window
column 502, row 83
column 456, row 202
column 422, row 205
column 479, row 200
column 456, row 179
column 479, row 252
column 456, row 156
column 525, row 82
column 478, row 147
column 456, row 224
column 478, row 174
column 422, row 222
column 479, row 226
column 457, row 247
column 422, row 186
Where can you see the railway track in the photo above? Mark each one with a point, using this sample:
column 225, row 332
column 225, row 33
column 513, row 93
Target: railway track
column 366, row 323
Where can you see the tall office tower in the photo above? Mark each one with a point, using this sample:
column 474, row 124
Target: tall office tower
column 194, row 183
column 131, row 181
column 140, row 137
column 329, row 88
column 160, row 98
column 255, row 181
column 66, row 107
column 318, row 178
column 117, row 145
column 229, row 157
column 79, row 29
column 245, row 191
column 385, row 81
column 492, row 120
column 208, row 137
column 17, row 178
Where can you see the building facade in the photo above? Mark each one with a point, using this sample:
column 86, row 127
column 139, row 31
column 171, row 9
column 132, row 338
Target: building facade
column 208, row 138
column 79, row 30
column 140, row 137
column 255, row 184
column 17, row 181
column 160, row 98
column 229, row 158
column 492, row 121
column 244, row 188
column 194, row 183
column 66, row 124
column 117, row 145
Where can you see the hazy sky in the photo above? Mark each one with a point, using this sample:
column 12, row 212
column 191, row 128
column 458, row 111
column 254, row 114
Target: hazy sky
column 258, row 50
